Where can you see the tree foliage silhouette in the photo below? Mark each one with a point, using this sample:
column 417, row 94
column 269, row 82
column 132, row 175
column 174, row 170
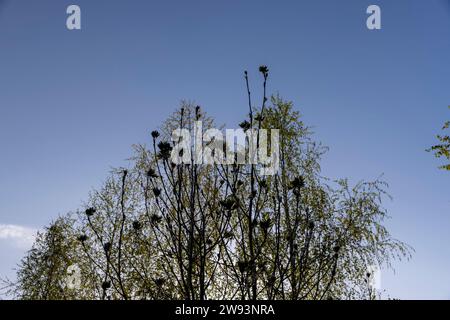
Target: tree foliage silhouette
column 163, row 231
column 442, row 150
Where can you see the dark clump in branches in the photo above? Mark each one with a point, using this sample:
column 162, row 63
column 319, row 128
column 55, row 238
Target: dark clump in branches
column 166, row 231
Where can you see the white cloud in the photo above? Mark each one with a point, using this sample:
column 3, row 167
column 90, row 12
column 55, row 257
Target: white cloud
column 20, row 236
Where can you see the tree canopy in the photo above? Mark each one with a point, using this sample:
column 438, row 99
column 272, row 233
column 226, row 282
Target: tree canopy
column 160, row 230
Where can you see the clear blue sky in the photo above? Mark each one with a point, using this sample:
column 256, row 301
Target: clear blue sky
column 73, row 102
